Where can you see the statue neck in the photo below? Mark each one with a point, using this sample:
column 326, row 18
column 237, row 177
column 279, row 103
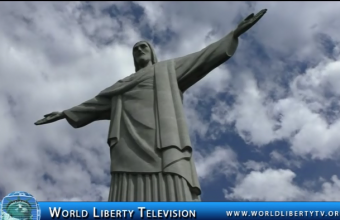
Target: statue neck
column 145, row 65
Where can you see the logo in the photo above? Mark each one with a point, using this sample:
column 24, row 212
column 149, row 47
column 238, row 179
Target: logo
column 19, row 205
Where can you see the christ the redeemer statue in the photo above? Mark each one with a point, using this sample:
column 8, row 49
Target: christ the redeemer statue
column 150, row 149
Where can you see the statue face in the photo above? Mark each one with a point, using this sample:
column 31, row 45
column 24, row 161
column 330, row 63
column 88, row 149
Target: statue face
column 142, row 53
column 20, row 210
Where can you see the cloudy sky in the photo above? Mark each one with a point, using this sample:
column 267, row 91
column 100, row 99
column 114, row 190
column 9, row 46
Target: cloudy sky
column 264, row 125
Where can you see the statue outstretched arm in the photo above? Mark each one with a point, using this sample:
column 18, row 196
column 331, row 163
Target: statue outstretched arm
column 98, row 108
column 193, row 67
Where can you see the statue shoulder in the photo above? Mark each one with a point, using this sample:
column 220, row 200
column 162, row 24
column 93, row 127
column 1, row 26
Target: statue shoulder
column 165, row 63
column 128, row 78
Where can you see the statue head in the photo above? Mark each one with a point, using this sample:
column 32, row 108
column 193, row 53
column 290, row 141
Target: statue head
column 19, row 209
column 143, row 55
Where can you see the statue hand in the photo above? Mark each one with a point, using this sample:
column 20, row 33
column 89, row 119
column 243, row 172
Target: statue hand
column 49, row 118
column 248, row 22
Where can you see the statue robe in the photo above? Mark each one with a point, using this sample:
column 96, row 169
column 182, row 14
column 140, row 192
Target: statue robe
column 150, row 148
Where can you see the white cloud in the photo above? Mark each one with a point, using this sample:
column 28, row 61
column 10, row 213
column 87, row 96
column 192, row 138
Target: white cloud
column 253, row 123
column 269, row 185
column 221, row 160
column 330, row 190
column 279, row 185
column 254, row 165
column 299, row 117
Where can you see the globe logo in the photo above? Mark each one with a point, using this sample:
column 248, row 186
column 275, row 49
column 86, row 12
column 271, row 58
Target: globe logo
column 19, row 205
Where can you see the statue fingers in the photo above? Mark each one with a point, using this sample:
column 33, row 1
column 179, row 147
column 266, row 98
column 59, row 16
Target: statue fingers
column 249, row 16
column 260, row 14
column 50, row 114
column 40, row 122
column 256, row 18
column 50, row 118
column 263, row 11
